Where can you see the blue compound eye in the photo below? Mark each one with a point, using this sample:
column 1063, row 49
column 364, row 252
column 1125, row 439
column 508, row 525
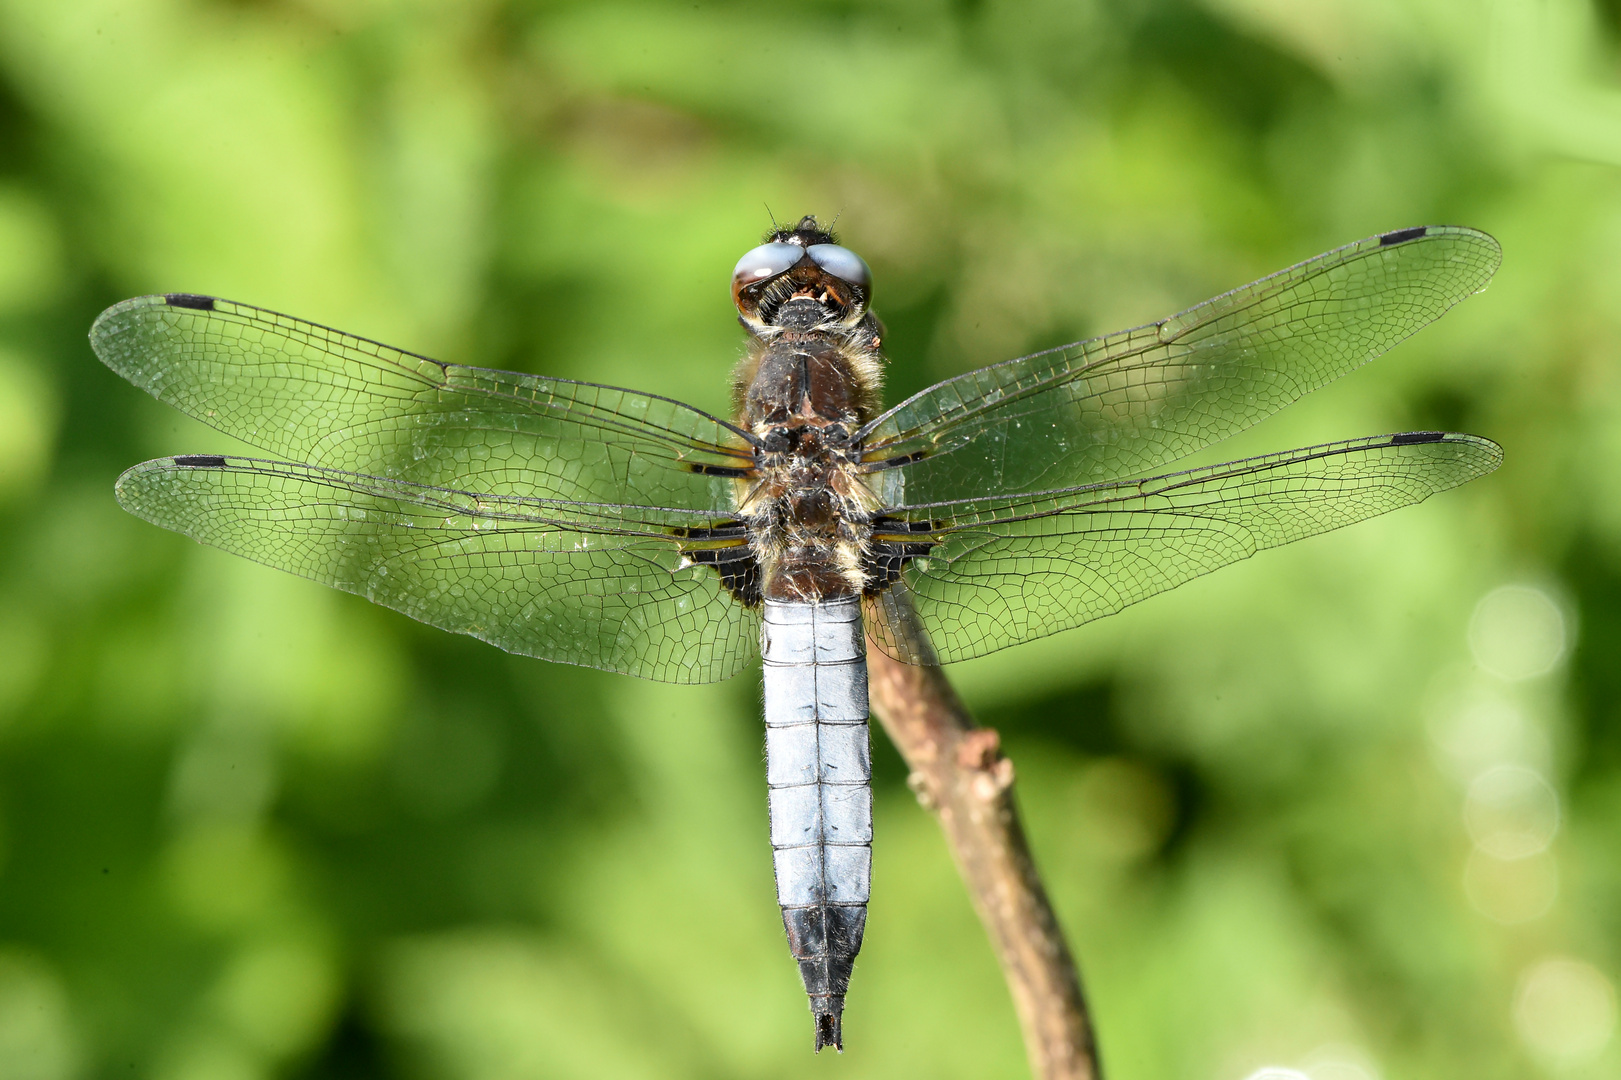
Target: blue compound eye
column 765, row 261
column 842, row 263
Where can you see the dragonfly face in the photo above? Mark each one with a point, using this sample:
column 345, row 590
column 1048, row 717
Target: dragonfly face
column 599, row 526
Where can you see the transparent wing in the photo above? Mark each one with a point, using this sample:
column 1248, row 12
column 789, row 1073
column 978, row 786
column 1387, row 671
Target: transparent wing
column 1131, row 402
column 307, row 393
column 1014, row 569
column 603, row 586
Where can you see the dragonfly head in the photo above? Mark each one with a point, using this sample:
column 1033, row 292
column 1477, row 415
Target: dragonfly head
column 800, row 278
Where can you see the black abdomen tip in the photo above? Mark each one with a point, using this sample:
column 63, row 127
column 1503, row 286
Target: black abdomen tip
column 828, row 1033
column 1401, row 236
column 189, row 300
column 200, row 461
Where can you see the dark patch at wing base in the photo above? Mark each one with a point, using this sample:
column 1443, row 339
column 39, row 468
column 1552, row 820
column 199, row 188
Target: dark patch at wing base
column 892, row 548
column 894, row 462
column 728, row 471
column 733, row 561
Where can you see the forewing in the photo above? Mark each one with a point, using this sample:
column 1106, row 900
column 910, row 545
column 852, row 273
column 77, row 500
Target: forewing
column 1131, row 402
column 307, row 393
column 1012, row 570
column 598, row 585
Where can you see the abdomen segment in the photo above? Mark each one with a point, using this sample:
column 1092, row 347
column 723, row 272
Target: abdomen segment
column 819, row 769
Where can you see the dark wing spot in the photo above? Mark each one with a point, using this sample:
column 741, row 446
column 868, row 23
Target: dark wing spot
column 1401, row 236
column 190, row 300
column 200, row 461
column 1407, row 438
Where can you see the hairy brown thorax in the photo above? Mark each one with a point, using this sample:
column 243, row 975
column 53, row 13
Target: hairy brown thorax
column 810, row 379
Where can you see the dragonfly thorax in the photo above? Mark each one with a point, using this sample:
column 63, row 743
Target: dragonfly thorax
column 807, row 510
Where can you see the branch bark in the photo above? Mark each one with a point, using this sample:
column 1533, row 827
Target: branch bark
column 959, row 773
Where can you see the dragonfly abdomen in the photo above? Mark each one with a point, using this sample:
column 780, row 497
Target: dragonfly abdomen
column 819, row 770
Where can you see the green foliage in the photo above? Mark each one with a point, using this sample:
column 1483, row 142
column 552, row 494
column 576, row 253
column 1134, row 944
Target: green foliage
column 1295, row 814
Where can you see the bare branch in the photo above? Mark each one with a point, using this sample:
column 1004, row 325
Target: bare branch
column 959, row 773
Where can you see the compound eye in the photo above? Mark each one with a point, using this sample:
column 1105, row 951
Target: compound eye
column 765, row 261
column 843, row 264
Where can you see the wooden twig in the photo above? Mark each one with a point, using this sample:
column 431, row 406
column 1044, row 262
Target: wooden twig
column 959, row 773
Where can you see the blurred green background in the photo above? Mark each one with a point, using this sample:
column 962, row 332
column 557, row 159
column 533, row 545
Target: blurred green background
column 1351, row 809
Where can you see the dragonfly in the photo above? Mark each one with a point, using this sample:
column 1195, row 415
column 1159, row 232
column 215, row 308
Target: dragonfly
column 594, row 525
